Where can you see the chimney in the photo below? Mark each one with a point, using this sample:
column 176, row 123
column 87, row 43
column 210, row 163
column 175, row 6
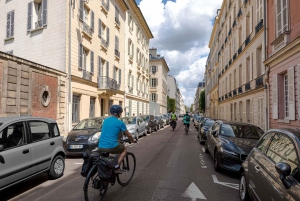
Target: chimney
column 153, row 52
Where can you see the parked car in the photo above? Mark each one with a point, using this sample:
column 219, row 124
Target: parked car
column 29, row 146
column 229, row 143
column 204, row 126
column 168, row 118
column 197, row 121
column 150, row 123
column 135, row 125
column 84, row 137
column 271, row 171
column 160, row 122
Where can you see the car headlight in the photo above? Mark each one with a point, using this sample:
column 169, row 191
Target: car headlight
column 223, row 150
column 95, row 137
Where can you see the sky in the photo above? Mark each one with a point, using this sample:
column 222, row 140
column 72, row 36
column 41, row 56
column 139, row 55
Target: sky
column 181, row 30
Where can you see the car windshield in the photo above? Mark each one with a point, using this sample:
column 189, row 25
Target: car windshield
column 89, row 124
column 128, row 120
column 209, row 123
column 240, row 131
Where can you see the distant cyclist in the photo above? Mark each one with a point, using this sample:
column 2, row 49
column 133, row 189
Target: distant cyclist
column 111, row 129
column 186, row 120
column 173, row 120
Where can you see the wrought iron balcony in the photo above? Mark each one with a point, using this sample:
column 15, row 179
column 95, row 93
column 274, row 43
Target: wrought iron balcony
column 229, row 94
column 226, row 96
column 220, row 74
column 230, row 62
column 117, row 21
column 234, row 57
column 222, row 47
column 259, row 82
column 104, row 43
column 234, row 23
column 240, row 49
column 226, row 40
column 223, row 71
column 247, row 41
column 240, row 90
column 87, row 75
column 247, row 86
column 130, row 90
column 226, row 67
column 117, row 53
column 245, row 1
column 108, row 83
column 234, row 92
column 239, row 13
column 219, row 99
column 87, row 29
column 259, row 26
column 229, row 32
column 105, row 5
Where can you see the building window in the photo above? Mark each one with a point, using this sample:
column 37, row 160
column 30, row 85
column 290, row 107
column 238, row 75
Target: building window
column 153, row 97
column 92, row 106
column 75, row 109
column 154, row 69
column 37, row 14
column 110, row 103
column 10, row 24
column 153, row 82
column 286, row 96
column 281, row 17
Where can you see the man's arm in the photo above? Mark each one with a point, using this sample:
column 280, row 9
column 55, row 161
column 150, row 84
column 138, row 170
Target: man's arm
column 129, row 136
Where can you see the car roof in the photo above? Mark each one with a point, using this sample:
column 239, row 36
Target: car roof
column 235, row 122
column 6, row 120
column 288, row 131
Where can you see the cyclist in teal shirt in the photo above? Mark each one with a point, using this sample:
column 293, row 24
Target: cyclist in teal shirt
column 186, row 120
column 110, row 131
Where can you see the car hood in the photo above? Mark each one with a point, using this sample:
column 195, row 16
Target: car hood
column 240, row 145
column 130, row 126
column 83, row 134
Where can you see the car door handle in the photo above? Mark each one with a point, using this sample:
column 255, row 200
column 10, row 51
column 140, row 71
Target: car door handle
column 257, row 168
column 52, row 143
column 25, row 151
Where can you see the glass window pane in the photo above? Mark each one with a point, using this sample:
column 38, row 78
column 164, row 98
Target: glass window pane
column 39, row 130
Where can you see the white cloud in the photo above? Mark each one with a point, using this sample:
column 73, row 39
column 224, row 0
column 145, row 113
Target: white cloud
column 181, row 32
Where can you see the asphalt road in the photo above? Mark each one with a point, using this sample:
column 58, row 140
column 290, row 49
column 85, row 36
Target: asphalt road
column 171, row 166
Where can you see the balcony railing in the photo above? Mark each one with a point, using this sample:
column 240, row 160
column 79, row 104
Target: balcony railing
column 226, row 40
column 223, row 71
column 219, row 99
column 87, row 75
column 104, row 43
column 259, row 82
column 226, row 67
column 38, row 24
column 117, row 21
column 234, row 57
column 230, row 62
column 222, row 47
column 245, row 1
column 229, row 94
column 229, row 32
column 117, row 53
column 87, row 29
column 247, row 86
column 234, row 23
column 259, row 26
column 240, row 90
column 130, row 90
column 105, row 5
column 247, row 41
column 240, row 49
column 234, row 92
column 105, row 82
column 226, row 96
column 239, row 13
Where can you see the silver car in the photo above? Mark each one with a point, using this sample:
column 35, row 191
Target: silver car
column 29, row 146
column 135, row 125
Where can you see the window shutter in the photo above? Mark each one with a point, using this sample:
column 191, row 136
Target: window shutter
column 291, row 93
column 244, row 28
column 120, row 76
column 80, row 54
column 44, row 6
column 99, row 27
column 29, row 17
column 107, row 4
column 107, row 69
column 251, row 15
column 81, row 9
column 114, row 73
column 274, row 97
column 156, row 97
column 12, row 19
column 156, row 82
column 8, row 25
column 99, row 66
column 92, row 62
column 298, row 75
column 107, row 34
column 92, row 20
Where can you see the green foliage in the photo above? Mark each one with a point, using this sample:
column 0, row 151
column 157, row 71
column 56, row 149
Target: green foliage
column 202, row 101
column 192, row 108
column 171, row 106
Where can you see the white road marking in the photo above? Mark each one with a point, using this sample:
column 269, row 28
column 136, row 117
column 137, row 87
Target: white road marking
column 161, row 191
column 203, row 166
column 78, row 163
column 203, row 149
column 173, row 160
column 230, row 185
column 193, row 192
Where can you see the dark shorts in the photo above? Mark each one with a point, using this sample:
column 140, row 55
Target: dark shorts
column 117, row 150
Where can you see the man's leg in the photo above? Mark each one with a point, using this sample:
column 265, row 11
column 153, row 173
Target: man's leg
column 122, row 156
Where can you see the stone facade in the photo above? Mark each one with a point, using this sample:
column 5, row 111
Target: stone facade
column 31, row 89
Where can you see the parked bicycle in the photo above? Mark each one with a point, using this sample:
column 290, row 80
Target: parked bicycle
column 95, row 188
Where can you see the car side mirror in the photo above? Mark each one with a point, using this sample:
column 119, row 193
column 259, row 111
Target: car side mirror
column 284, row 170
column 1, row 147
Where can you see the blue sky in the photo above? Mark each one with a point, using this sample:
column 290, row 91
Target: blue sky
column 181, row 30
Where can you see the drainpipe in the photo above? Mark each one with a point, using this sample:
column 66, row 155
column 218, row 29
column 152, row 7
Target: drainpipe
column 69, row 119
column 125, row 50
column 267, row 69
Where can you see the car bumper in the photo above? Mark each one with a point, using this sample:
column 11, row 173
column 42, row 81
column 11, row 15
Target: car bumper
column 88, row 147
column 230, row 162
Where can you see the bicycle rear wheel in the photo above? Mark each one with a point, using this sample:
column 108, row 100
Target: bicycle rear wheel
column 94, row 188
column 128, row 165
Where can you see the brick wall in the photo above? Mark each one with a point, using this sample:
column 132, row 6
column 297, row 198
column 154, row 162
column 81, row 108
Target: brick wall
column 38, row 82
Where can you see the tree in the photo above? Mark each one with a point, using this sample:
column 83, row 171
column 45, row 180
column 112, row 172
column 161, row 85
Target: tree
column 192, row 108
column 186, row 108
column 171, row 106
column 202, row 101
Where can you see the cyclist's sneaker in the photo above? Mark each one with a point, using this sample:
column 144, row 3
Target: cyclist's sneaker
column 119, row 171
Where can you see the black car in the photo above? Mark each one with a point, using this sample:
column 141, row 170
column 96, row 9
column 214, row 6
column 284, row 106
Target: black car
column 168, row 118
column 271, row 171
column 150, row 122
column 229, row 143
column 204, row 126
column 84, row 136
column 159, row 122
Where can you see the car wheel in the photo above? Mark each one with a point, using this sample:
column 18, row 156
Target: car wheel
column 206, row 148
column 244, row 196
column 57, row 167
column 216, row 162
column 158, row 127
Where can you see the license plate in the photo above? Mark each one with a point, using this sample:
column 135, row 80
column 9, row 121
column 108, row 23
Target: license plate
column 76, row 146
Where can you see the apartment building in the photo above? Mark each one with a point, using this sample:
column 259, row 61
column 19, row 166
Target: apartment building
column 182, row 106
column 158, row 83
column 283, row 63
column 237, row 54
column 174, row 92
column 200, row 88
column 137, row 36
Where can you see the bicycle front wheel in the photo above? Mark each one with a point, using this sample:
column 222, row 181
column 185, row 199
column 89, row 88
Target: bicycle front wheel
column 94, row 188
column 128, row 165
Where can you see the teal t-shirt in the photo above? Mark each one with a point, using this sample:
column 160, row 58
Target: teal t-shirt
column 111, row 128
column 186, row 119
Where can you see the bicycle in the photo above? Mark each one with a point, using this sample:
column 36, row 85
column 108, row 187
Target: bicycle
column 186, row 129
column 95, row 189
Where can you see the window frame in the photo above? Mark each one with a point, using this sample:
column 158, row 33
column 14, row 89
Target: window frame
column 30, row 133
column 77, row 97
column 26, row 132
column 281, row 31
